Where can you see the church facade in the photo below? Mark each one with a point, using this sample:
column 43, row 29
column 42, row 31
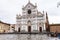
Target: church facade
column 31, row 19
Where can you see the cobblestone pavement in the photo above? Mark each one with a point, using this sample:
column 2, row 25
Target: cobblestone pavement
column 26, row 37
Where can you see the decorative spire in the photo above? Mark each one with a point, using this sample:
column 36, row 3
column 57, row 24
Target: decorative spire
column 43, row 12
column 29, row 1
column 46, row 15
column 47, row 23
column 23, row 6
column 35, row 4
column 16, row 14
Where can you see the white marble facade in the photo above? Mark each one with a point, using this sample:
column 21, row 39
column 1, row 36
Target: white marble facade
column 31, row 19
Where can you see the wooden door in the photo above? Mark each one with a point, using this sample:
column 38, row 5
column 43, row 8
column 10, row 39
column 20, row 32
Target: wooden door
column 40, row 29
column 29, row 28
column 18, row 29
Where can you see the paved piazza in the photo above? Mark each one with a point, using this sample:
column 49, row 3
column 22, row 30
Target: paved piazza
column 26, row 37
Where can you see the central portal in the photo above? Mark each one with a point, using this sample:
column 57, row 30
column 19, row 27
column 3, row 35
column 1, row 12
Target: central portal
column 40, row 29
column 29, row 28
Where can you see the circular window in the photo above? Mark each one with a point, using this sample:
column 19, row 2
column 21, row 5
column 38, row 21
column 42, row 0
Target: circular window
column 29, row 11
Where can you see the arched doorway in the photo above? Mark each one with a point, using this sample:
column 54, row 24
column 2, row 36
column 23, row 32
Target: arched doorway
column 29, row 28
column 40, row 29
column 18, row 29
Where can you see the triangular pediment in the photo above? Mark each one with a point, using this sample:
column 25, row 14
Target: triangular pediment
column 29, row 5
column 40, row 14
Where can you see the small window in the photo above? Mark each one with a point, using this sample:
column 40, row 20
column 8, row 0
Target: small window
column 12, row 27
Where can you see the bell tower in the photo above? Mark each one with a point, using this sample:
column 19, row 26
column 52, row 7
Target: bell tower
column 47, row 23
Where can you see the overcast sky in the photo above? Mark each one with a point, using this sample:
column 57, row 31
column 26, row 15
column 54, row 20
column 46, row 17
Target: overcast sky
column 9, row 9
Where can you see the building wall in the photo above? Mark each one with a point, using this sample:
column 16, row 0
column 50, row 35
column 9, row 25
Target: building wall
column 55, row 28
column 12, row 27
column 4, row 27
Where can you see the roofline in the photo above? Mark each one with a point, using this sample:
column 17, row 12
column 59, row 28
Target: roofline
column 54, row 24
column 4, row 23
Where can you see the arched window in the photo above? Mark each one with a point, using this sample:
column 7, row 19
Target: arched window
column 29, row 21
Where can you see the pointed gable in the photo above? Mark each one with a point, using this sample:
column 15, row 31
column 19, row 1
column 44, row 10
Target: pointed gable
column 29, row 5
column 40, row 14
